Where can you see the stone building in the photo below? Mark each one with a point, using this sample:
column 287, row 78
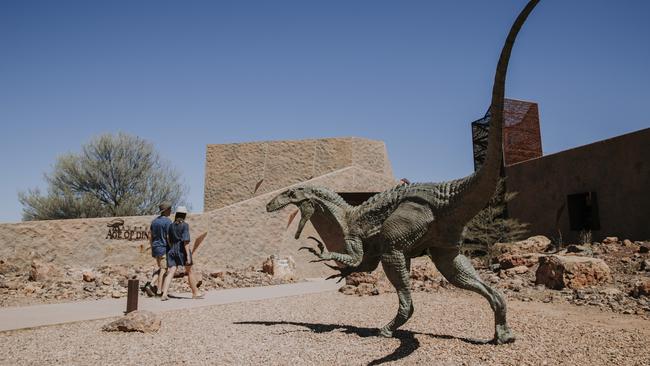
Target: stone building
column 598, row 190
column 601, row 189
column 236, row 172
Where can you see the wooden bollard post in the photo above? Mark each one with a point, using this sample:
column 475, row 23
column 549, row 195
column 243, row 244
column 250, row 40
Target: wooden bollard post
column 132, row 296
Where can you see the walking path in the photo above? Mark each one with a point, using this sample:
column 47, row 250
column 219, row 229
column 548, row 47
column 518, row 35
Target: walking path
column 38, row 315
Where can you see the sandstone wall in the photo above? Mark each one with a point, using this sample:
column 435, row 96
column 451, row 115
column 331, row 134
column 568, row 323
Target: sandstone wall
column 240, row 235
column 236, row 172
column 617, row 169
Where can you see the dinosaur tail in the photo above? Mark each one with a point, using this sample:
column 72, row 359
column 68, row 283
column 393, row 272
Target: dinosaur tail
column 486, row 178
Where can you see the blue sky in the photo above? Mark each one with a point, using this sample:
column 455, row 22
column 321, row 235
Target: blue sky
column 183, row 74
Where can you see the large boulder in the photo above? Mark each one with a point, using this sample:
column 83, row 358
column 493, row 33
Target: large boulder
column 280, row 267
column 558, row 272
column 41, row 271
column 534, row 244
column 136, row 321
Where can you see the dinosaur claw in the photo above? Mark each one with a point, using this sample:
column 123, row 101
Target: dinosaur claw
column 314, row 239
column 319, row 260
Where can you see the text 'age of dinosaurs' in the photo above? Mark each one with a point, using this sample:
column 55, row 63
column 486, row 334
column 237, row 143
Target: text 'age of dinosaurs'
column 410, row 220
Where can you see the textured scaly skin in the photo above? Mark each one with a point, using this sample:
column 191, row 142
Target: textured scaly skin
column 408, row 221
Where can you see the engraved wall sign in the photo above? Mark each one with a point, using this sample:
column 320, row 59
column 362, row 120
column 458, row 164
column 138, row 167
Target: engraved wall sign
column 118, row 231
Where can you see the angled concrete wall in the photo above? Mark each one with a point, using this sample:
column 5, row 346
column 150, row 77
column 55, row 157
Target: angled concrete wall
column 236, row 172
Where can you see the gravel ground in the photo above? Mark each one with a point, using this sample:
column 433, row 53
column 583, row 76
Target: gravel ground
column 335, row 329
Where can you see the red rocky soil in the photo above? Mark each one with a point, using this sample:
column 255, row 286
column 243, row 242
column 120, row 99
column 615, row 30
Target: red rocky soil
column 616, row 277
column 45, row 283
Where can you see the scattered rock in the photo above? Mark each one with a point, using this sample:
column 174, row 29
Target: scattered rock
column 136, row 321
column 267, row 266
column 355, row 279
column 610, row 240
column 579, row 249
column 217, row 274
column 116, row 294
column 348, row 289
column 645, row 265
column 557, row 272
column 628, row 244
column 41, row 271
column 611, row 291
column 280, row 267
column 88, row 276
column 7, row 268
column 30, row 288
column 509, row 260
column 644, row 247
column 516, row 270
column 641, row 288
column 516, row 284
column 11, row 285
column 425, row 273
column 534, row 244
column 107, row 281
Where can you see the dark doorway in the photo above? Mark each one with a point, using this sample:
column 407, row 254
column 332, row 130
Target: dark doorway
column 356, row 198
column 583, row 211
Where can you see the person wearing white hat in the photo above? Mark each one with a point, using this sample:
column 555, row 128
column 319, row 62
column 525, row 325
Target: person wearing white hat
column 179, row 253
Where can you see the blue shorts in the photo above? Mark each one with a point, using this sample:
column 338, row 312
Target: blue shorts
column 175, row 259
column 158, row 251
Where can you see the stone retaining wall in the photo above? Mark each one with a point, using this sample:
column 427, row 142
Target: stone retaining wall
column 239, row 235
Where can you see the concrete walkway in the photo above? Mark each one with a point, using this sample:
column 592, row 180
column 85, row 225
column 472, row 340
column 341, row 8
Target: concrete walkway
column 39, row 315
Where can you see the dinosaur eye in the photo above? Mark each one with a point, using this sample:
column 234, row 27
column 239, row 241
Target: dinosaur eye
column 292, row 194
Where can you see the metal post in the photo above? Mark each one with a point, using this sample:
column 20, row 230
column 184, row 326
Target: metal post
column 132, row 296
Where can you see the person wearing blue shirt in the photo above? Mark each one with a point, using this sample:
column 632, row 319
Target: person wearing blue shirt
column 158, row 239
column 179, row 253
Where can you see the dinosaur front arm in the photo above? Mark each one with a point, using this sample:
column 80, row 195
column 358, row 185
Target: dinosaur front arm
column 352, row 257
column 354, row 252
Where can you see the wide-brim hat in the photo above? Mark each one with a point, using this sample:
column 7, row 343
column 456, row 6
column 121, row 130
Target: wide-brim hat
column 181, row 209
column 164, row 207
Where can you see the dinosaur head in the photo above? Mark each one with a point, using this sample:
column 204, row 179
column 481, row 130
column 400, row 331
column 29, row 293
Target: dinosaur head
column 299, row 196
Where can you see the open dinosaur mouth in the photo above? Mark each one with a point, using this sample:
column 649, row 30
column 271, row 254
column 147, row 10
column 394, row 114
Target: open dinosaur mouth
column 306, row 210
column 276, row 204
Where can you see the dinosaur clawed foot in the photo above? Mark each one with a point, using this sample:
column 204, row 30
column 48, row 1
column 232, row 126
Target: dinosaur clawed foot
column 343, row 273
column 503, row 335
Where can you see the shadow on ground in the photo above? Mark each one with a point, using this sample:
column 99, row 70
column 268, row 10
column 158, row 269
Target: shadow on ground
column 408, row 342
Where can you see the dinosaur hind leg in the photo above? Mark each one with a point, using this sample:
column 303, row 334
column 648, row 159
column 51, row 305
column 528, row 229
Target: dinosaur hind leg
column 459, row 271
column 397, row 269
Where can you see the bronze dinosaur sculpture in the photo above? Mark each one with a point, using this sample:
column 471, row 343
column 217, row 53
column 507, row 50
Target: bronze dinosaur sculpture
column 416, row 219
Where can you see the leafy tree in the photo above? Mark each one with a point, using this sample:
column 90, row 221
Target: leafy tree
column 114, row 175
column 491, row 226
